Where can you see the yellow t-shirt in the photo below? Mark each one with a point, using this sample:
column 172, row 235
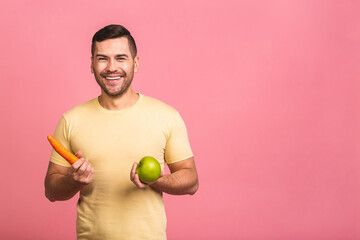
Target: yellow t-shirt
column 112, row 207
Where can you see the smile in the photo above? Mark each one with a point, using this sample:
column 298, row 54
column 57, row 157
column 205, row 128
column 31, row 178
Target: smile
column 112, row 78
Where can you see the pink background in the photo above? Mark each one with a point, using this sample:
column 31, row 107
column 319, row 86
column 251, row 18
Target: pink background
column 269, row 91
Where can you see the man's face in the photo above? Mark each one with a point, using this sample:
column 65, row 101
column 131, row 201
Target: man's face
column 113, row 66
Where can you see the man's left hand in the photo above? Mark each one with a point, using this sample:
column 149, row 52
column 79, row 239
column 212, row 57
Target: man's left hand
column 135, row 178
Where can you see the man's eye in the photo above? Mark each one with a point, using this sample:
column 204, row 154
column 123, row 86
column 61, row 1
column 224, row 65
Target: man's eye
column 102, row 59
column 121, row 59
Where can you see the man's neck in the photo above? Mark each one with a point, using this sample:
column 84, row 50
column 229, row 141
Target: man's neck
column 118, row 103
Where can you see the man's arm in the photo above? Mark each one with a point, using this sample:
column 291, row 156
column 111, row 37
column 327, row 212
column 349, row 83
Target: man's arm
column 62, row 183
column 182, row 180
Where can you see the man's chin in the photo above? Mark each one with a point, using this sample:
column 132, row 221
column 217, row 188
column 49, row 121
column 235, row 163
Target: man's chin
column 115, row 93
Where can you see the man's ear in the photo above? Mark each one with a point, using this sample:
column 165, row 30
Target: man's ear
column 136, row 63
column 92, row 64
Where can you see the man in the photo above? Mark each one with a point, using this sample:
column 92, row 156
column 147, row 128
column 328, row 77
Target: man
column 110, row 134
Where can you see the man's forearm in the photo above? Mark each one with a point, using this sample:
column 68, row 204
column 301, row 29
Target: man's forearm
column 184, row 181
column 60, row 187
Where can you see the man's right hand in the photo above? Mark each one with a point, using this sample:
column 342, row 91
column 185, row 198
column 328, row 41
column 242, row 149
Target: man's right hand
column 81, row 171
column 62, row 183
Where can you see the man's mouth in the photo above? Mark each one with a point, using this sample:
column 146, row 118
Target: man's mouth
column 113, row 78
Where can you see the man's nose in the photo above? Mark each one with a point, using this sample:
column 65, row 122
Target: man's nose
column 111, row 67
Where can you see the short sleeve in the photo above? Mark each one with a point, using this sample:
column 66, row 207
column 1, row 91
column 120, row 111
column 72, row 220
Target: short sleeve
column 177, row 146
column 62, row 135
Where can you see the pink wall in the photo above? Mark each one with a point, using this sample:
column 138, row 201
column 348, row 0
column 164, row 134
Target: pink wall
column 269, row 91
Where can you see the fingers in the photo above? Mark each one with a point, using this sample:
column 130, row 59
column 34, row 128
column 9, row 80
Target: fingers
column 133, row 171
column 82, row 171
column 79, row 154
column 76, row 165
column 138, row 183
column 135, row 178
column 91, row 174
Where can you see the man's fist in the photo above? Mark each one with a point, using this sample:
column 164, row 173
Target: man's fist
column 81, row 171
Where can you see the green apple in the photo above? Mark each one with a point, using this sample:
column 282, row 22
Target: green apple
column 148, row 169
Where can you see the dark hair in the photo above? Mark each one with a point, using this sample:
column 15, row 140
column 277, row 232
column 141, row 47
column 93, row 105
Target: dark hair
column 114, row 31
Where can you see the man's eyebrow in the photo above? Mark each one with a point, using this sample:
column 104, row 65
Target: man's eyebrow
column 118, row 55
column 122, row 55
column 100, row 55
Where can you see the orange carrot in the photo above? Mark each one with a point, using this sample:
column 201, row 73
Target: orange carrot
column 60, row 149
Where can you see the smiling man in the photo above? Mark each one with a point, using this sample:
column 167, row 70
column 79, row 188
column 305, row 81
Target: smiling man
column 110, row 134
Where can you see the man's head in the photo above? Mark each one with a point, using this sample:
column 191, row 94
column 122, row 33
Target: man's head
column 114, row 60
column 114, row 31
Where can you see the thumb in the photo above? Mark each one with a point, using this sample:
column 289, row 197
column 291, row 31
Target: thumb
column 79, row 154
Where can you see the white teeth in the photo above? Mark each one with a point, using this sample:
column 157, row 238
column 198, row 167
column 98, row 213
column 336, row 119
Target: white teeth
column 112, row 78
